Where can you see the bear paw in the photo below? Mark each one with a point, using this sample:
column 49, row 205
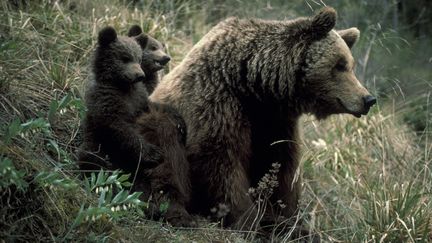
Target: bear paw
column 179, row 217
column 186, row 221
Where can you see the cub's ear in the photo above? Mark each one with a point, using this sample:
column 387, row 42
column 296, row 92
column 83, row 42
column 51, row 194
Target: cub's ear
column 134, row 30
column 323, row 22
column 350, row 36
column 142, row 40
column 107, row 35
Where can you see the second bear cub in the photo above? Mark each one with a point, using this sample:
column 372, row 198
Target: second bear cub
column 154, row 56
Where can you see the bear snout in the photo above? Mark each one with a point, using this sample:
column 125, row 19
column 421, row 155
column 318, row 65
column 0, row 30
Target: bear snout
column 136, row 73
column 368, row 102
column 164, row 60
column 358, row 106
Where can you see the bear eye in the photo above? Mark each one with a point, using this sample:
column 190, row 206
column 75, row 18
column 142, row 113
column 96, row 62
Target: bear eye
column 153, row 48
column 341, row 66
column 126, row 59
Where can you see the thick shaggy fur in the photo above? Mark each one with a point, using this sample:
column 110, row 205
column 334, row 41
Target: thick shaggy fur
column 163, row 127
column 244, row 87
column 114, row 101
column 124, row 130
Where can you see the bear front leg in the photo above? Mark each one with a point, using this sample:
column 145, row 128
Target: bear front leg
column 128, row 148
column 287, row 154
column 289, row 190
column 243, row 214
column 230, row 185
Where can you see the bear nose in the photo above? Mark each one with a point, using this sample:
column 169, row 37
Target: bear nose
column 165, row 60
column 369, row 101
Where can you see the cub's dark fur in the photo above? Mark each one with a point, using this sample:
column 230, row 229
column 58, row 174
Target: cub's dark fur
column 154, row 56
column 115, row 98
column 124, row 130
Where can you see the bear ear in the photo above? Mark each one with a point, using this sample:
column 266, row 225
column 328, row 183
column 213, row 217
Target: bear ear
column 107, row 35
column 142, row 40
column 350, row 36
column 134, row 30
column 323, row 22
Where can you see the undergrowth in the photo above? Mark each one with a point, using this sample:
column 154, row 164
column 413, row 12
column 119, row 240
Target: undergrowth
column 364, row 180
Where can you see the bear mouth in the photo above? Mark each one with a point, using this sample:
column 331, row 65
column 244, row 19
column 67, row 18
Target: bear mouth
column 346, row 110
column 158, row 64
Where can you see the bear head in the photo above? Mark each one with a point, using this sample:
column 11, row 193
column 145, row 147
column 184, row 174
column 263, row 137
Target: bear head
column 154, row 57
column 117, row 59
column 328, row 70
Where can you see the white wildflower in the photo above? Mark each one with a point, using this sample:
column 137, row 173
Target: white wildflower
column 319, row 144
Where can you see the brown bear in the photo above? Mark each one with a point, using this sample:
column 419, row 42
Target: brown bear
column 243, row 87
column 169, row 182
column 124, row 130
column 154, row 57
column 115, row 96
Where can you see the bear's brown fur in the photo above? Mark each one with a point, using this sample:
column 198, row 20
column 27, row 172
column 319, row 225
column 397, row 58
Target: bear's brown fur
column 163, row 127
column 124, row 130
column 242, row 88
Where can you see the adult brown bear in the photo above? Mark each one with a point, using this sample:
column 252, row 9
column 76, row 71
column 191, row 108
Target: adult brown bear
column 243, row 87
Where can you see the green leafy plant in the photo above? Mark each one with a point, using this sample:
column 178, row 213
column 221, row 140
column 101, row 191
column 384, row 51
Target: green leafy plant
column 163, row 207
column 110, row 205
column 9, row 175
column 27, row 129
column 65, row 104
column 54, row 179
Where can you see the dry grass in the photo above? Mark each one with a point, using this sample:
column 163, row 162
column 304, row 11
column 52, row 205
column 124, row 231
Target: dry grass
column 364, row 180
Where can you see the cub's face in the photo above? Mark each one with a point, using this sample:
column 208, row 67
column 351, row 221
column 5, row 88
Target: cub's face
column 154, row 57
column 330, row 78
column 118, row 59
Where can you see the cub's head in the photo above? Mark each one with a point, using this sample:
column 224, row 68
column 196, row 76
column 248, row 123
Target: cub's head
column 154, row 57
column 329, row 77
column 117, row 59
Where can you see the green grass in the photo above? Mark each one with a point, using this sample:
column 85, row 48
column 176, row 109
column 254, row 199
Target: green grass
column 364, row 180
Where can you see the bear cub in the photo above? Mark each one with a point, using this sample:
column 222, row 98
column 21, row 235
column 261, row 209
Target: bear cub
column 114, row 98
column 154, row 57
column 124, row 130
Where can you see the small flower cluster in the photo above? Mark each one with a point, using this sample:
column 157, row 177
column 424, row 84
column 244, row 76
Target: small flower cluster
column 115, row 208
column 33, row 131
column 269, row 181
column 93, row 218
column 123, row 207
column 281, row 204
column 106, row 188
column 63, row 111
column 67, row 109
column 9, row 169
column 221, row 210
column 266, row 185
column 319, row 144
